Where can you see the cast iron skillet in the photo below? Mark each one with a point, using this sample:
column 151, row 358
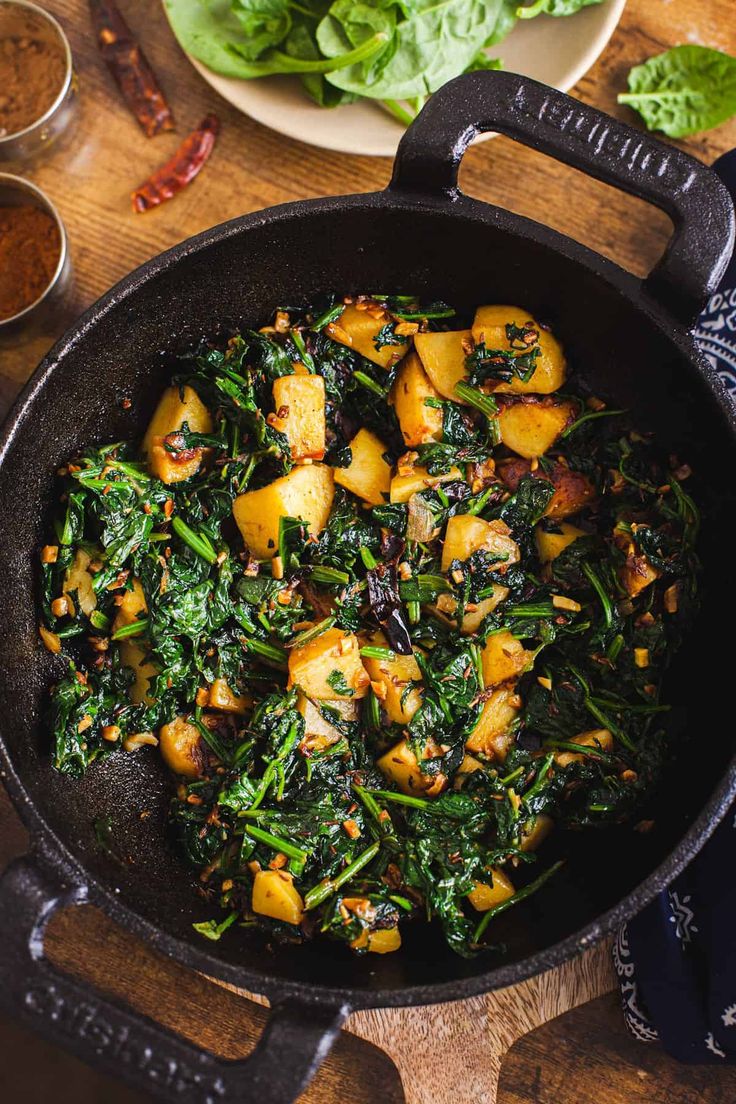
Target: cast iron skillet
column 628, row 338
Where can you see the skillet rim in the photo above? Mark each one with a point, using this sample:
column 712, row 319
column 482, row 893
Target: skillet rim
column 53, row 852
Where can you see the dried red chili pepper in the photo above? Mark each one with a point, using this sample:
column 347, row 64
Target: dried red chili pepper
column 128, row 64
column 191, row 155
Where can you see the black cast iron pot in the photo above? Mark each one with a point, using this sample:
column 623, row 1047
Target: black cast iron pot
column 629, row 338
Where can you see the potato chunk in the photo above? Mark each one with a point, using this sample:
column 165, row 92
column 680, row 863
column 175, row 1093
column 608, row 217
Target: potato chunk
column 486, row 895
column 400, row 766
column 493, row 734
column 78, row 578
column 536, row 832
column 636, row 573
column 599, row 738
column 489, row 328
column 573, row 490
column 551, row 544
column 223, row 698
column 504, row 658
column 134, row 655
column 176, row 406
column 275, row 895
column 306, row 493
column 393, row 677
column 329, row 667
column 382, row 941
column 358, row 329
column 443, row 356
column 530, row 428
column 299, row 402
column 419, row 479
column 420, row 421
column 181, row 747
column 468, row 766
column 132, row 606
column 466, row 534
column 319, row 732
column 368, row 474
column 472, row 617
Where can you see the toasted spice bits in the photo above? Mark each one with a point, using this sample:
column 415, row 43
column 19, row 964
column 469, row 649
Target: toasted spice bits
column 378, row 680
column 31, row 76
column 186, row 163
column 128, row 64
column 30, row 245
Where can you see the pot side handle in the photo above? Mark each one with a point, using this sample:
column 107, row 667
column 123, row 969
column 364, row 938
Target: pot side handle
column 699, row 205
column 129, row 1046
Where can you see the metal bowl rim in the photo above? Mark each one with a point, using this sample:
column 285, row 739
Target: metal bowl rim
column 7, row 139
column 24, row 185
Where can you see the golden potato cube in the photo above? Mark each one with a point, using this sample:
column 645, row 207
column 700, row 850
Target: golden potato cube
column 534, row 834
column 530, row 428
column 443, row 356
column 468, row 766
column 472, row 618
column 299, row 402
column 319, row 732
column 466, row 534
column 400, row 766
column 599, row 738
column 176, row 406
column 78, row 578
column 573, row 490
column 489, row 328
column 550, row 545
column 420, row 421
column 504, row 658
column 132, row 607
column 395, row 675
column 329, row 667
column 306, row 492
column 134, row 655
column 493, row 734
column 275, row 895
column 358, row 330
column 419, row 479
column 637, row 574
column 382, row 941
column 180, row 744
column 368, row 474
column 222, row 697
column 484, row 896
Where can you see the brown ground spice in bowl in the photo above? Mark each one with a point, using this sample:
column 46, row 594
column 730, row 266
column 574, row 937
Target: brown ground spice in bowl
column 31, row 75
column 30, row 245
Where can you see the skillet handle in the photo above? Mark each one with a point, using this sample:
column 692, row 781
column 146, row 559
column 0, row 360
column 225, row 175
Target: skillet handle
column 131, row 1047
column 691, row 194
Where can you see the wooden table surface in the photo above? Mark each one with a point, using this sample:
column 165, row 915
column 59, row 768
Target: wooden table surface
column 583, row 1055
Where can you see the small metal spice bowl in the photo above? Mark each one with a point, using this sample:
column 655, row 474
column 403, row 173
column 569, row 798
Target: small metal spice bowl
column 44, row 309
column 24, row 20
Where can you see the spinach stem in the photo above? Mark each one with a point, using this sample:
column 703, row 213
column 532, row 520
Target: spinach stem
column 277, row 842
column 319, row 893
column 520, row 895
column 135, row 628
column 198, row 542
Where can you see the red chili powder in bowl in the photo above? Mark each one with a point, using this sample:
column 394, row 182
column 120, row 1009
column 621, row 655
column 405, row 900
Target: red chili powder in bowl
column 30, row 245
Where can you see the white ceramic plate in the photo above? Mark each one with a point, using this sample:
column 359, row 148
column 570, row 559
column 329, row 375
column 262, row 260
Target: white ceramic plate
column 555, row 51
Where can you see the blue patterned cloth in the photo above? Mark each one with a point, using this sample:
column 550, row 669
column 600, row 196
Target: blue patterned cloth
column 676, row 960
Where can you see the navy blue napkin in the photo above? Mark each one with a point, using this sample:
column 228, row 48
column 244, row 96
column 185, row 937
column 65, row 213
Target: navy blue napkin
column 676, row 960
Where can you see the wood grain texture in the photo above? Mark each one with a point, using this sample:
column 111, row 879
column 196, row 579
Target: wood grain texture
column 442, row 1053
